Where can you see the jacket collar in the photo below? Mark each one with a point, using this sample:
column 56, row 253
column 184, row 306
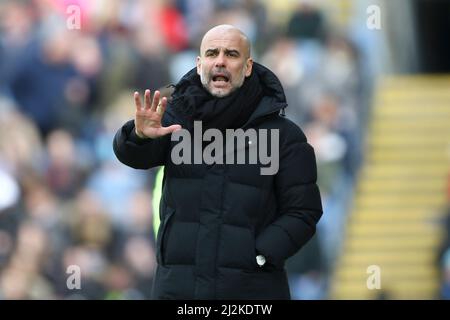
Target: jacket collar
column 273, row 101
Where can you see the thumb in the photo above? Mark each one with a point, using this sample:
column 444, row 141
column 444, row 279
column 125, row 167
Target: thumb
column 170, row 129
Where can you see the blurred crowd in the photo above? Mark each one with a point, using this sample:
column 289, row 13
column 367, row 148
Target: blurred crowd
column 66, row 200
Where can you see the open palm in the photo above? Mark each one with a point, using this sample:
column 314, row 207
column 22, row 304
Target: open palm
column 148, row 117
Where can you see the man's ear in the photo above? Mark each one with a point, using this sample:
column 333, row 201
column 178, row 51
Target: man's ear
column 199, row 66
column 249, row 66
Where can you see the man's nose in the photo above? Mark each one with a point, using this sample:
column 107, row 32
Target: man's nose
column 220, row 61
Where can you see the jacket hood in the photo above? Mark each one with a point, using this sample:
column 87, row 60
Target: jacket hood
column 274, row 98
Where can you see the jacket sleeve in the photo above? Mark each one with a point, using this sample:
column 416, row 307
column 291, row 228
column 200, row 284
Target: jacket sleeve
column 139, row 153
column 298, row 200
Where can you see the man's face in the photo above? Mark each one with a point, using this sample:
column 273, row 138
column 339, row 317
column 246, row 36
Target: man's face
column 224, row 62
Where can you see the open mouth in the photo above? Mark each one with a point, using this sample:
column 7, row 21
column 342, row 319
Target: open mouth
column 220, row 78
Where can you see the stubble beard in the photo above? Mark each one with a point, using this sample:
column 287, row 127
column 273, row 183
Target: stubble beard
column 206, row 79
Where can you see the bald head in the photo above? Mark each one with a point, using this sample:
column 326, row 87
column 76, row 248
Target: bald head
column 224, row 60
column 227, row 31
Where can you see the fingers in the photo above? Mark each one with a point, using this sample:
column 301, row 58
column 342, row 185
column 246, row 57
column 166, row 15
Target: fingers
column 162, row 106
column 155, row 100
column 137, row 101
column 154, row 105
column 147, row 99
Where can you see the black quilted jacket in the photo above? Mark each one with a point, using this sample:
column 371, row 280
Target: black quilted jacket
column 216, row 218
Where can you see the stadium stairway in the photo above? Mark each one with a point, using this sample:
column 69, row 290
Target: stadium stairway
column 400, row 198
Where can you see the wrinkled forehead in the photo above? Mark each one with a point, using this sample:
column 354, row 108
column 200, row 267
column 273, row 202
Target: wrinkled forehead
column 228, row 39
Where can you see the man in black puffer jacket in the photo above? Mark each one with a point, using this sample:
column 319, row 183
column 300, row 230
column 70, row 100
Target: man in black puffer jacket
column 227, row 226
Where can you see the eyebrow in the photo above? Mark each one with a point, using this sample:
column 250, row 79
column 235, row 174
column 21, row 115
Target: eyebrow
column 227, row 51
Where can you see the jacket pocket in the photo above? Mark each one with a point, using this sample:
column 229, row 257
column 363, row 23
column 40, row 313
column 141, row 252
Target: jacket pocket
column 161, row 238
column 251, row 253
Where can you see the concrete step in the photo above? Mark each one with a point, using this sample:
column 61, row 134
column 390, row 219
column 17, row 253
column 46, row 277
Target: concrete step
column 375, row 231
column 441, row 109
column 393, row 156
column 399, row 261
column 401, row 185
column 413, row 96
column 403, row 116
column 396, row 170
column 394, row 219
column 411, row 289
column 399, row 273
column 394, row 243
column 407, row 139
column 412, row 125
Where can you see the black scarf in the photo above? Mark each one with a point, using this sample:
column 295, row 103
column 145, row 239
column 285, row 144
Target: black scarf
column 192, row 102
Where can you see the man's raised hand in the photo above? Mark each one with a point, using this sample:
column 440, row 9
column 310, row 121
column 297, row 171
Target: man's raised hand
column 148, row 117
